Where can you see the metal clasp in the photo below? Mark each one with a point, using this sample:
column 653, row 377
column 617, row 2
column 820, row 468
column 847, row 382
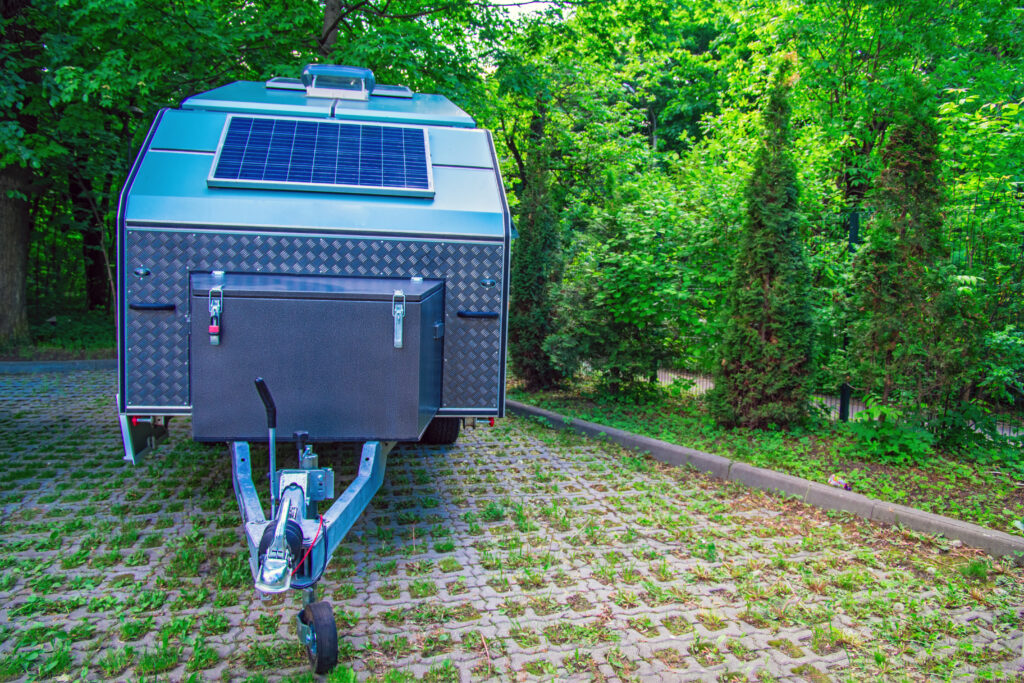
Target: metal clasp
column 398, row 312
column 215, row 302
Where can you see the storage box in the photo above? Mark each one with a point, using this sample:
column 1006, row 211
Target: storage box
column 341, row 362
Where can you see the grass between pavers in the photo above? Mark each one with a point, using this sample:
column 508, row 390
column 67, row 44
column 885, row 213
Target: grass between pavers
column 980, row 486
column 521, row 549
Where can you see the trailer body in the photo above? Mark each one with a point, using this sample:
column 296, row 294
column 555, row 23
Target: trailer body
column 265, row 185
column 330, row 254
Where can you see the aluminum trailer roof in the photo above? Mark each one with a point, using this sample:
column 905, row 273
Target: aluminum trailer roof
column 172, row 187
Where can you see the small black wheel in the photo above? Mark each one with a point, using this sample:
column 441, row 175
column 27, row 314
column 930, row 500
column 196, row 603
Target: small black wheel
column 322, row 644
column 442, row 431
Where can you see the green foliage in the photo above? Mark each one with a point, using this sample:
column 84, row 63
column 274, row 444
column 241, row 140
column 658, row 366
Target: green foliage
column 626, row 132
column 1002, row 365
column 888, row 434
column 903, row 285
column 535, row 267
column 767, row 335
column 74, row 331
column 536, row 261
column 80, row 87
column 621, row 299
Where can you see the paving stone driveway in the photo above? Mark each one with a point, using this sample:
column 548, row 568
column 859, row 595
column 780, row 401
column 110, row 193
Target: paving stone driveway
column 519, row 553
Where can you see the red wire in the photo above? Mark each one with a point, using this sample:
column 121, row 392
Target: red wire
column 310, row 548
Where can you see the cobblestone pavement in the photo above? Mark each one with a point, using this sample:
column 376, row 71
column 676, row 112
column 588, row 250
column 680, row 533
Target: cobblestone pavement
column 519, row 553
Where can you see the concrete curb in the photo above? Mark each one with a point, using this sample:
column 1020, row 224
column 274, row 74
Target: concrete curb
column 24, row 367
column 996, row 543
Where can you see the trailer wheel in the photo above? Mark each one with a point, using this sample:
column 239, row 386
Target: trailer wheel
column 442, row 431
column 322, row 643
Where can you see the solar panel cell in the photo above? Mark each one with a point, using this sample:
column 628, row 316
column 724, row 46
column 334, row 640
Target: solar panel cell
column 322, row 155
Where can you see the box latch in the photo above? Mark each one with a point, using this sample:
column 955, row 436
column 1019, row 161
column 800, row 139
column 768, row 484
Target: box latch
column 215, row 302
column 398, row 312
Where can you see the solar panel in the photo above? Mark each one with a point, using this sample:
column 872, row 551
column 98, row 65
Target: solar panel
column 324, row 156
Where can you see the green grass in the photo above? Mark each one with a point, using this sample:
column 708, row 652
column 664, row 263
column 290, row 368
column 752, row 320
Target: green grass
column 66, row 334
column 662, row 540
column 978, row 484
column 422, row 588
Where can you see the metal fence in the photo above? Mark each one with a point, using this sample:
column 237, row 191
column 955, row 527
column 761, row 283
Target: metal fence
column 985, row 235
column 698, row 384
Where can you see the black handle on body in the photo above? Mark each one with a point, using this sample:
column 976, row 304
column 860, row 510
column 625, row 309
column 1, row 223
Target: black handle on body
column 477, row 314
column 268, row 403
column 151, row 306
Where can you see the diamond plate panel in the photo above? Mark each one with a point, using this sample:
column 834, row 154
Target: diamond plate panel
column 156, row 359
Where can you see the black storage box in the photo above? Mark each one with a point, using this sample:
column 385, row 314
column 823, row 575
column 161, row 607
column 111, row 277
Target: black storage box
column 337, row 360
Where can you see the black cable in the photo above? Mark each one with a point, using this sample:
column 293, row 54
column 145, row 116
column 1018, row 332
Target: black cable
column 323, row 567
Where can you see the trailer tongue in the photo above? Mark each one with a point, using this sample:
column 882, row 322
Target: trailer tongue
column 276, row 556
column 328, row 254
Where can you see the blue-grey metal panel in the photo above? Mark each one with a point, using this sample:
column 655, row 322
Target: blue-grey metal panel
column 122, row 203
column 192, row 131
column 170, row 189
column 430, row 110
column 255, row 98
column 459, row 147
column 155, row 342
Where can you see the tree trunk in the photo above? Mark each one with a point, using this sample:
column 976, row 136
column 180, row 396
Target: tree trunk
column 15, row 232
column 16, row 182
column 97, row 291
column 329, row 34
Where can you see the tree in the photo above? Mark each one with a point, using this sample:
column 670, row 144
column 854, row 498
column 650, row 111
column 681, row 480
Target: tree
column 665, row 55
column 82, row 83
column 525, row 126
column 20, row 88
column 767, row 334
column 535, row 268
column 914, row 335
column 573, row 135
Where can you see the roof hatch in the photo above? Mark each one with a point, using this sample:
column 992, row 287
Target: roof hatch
column 378, row 90
column 338, row 82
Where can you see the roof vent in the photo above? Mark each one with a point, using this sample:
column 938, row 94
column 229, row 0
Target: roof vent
column 338, row 82
column 282, row 83
column 392, row 91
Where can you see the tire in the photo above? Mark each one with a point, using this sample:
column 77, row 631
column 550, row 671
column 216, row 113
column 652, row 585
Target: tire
column 442, row 431
column 323, row 651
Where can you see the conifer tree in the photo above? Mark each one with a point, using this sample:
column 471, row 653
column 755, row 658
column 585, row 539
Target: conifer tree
column 534, row 268
column 767, row 334
column 914, row 332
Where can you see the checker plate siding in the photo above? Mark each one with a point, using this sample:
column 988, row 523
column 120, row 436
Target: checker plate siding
column 157, row 356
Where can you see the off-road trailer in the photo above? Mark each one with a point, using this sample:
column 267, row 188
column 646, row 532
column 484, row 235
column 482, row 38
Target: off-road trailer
column 342, row 244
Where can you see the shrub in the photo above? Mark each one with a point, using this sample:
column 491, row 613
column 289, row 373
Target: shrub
column 621, row 297
column 535, row 267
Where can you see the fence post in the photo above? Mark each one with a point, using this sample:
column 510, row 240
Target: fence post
column 845, row 391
